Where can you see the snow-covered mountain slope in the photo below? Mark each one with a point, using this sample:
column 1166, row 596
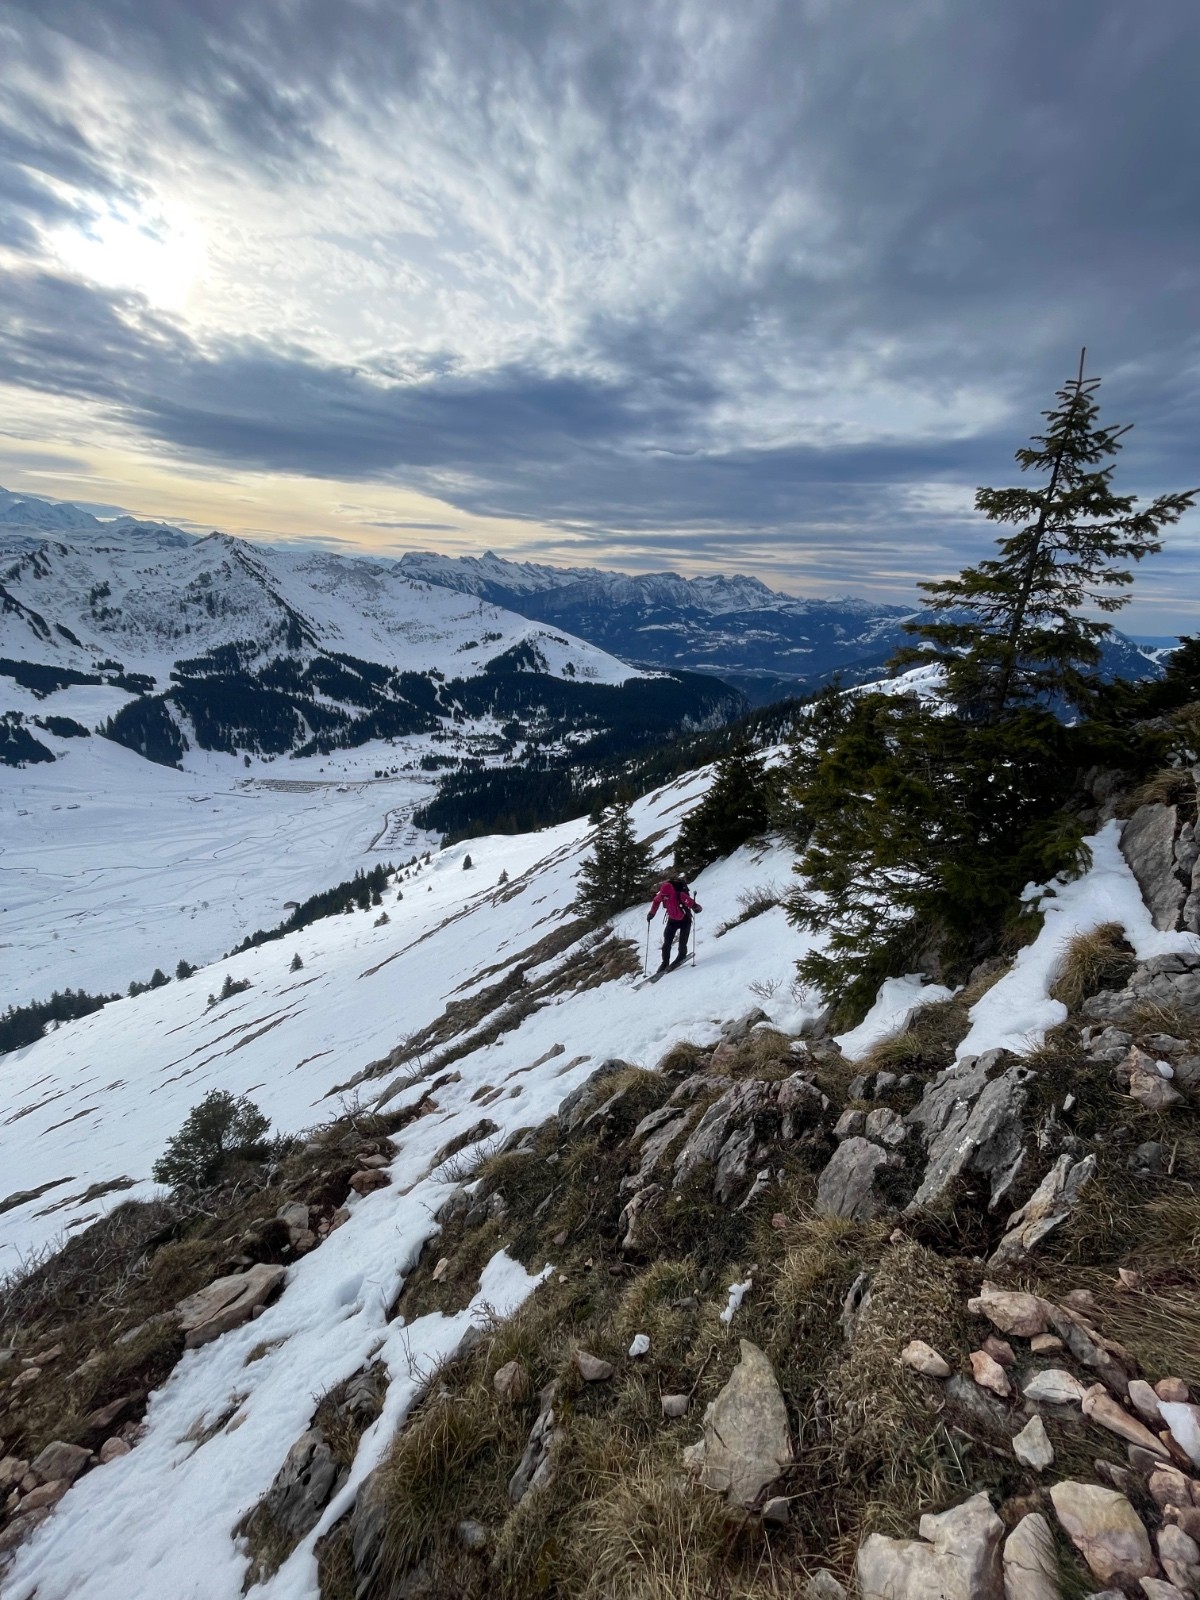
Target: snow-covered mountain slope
column 736, row 626
column 93, row 1104
column 127, row 597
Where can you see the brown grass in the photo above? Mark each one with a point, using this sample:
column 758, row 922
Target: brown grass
column 1092, row 962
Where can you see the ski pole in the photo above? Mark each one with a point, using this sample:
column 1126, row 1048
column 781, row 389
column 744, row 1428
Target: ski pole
column 646, row 959
column 695, row 937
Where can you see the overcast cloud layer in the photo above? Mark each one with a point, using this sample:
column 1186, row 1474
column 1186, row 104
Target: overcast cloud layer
column 768, row 287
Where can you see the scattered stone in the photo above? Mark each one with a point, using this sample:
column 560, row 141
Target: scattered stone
column 1180, row 1557
column 439, row 1271
column 923, row 1358
column 1147, row 1159
column 12, row 1470
column 511, row 1383
column 1185, row 1517
column 59, row 1460
column 1184, row 1422
column 886, row 1126
column 19, row 1529
column 1045, row 1344
column 1173, row 1389
column 1030, row 1561
column 1145, row 1402
column 846, row 1188
column 639, row 1345
column 675, row 1405
column 777, row 1510
column 1098, row 1404
column 1011, row 1310
column 746, row 1442
column 824, row 1586
column 1081, row 1300
column 294, row 1216
column 43, row 1358
column 1122, row 1478
column 367, row 1179
column 959, row 1560
column 1147, row 1085
column 101, row 1420
column 227, row 1303
column 472, row 1535
column 25, row 1378
column 631, row 1224
column 1000, row 1350
column 849, row 1125
column 1105, row 1529
column 49, row 1494
column 1169, row 1487
column 989, row 1374
column 1032, row 1446
column 1160, row 1589
column 112, row 1448
column 1054, row 1386
column 591, row 1368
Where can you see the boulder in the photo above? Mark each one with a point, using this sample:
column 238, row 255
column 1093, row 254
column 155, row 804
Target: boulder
column 1050, row 1204
column 1106, row 1530
column 303, row 1484
column 746, row 1442
column 846, row 1188
column 1032, row 1446
column 227, row 1303
column 972, row 1125
column 60, row 1461
column 472, row 1535
column 733, row 1163
column 923, row 1358
column 956, row 1558
column 1030, row 1561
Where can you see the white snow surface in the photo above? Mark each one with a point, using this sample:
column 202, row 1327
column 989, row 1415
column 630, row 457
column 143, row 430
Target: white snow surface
column 97, row 1099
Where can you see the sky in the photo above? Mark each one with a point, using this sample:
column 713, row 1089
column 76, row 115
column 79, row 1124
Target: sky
column 644, row 284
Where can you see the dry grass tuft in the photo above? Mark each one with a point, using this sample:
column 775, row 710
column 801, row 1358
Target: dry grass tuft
column 1092, row 962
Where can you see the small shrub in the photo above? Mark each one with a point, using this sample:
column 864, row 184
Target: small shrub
column 381, row 919
column 467, row 863
column 184, row 969
column 219, row 1130
column 1093, row 961
column 297, row 965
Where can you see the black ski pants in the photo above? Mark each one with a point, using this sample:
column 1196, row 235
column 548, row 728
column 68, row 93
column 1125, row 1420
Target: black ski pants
column 684, row 929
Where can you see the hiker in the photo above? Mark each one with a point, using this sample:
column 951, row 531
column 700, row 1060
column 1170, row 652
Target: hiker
column 678, row 904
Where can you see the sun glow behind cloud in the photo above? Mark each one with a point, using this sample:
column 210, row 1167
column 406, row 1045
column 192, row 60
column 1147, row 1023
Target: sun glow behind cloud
column 160, row 256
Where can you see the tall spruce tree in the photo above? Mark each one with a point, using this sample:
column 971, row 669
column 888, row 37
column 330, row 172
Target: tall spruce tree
column 1012, row 631
column 733, row 810
column 617, row 874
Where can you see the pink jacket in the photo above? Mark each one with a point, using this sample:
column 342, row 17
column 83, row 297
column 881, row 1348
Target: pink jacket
column 675, row 902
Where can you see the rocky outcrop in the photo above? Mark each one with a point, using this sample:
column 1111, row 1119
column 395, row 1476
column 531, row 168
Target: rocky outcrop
column 303, row 1485
column 847, row 1187
column 971, row 1118
column 1170, row 982
column 1048, row 1206
column 746, row 1443
column 1163, row 851
column 956, row 1558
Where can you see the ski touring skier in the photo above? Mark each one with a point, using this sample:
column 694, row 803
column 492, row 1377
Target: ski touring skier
column 678, row 906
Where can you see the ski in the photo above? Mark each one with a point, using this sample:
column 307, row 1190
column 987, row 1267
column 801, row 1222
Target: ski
column 655, row 976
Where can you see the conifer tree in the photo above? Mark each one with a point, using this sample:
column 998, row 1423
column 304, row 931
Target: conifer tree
column 617, row 873
column 1011, row 631
column 733, row 810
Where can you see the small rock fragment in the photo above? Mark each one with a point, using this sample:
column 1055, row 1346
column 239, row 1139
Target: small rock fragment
column 511, row 1383
column 957, row 1555
column 367, row 1179
column 1145, row 1402
column 1180, row 1557
column 1184, row 1422
column 1045, row 1344
column 1054, row 1386
column 472, row 1535
column 112, row 1448
column 639, row 1345
column 591, row 1368
column 989, row 1374
column 1098, row 1404
column 1011, row 1310
column 1173, row 1389
column 923, row 1358
column 1000, row 1350
column 824, row 1586
column 59, row 1460
column 776, row 1510
column 1032, row 1446
column 1030, row 1561
column 675, row 1405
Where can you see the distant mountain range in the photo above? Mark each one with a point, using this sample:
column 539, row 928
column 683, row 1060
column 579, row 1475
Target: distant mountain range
column 765, row 643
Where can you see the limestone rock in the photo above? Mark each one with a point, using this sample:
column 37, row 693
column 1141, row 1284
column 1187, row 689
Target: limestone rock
column 1106, row 1530
column 472, row 1535
column 50, row 1493
column 1169, row 1487
column 1098, row 1404
column 367, row 1179
column 303, row 1484
column 12, row 1470
column 923, row 1358
column 511, row 1383
column 1172, row 1389
column 1030, row 1562
column 1011, row 1310
column 739, row 1104
column 59, row 1460
column 1160, row 1589
column 846, row 1188
column 631, row 1224
column 886, row 1126
column 112, row 1448
column 226, row 1303
column 536, row 1464
column 971, row 1125
column 1045, row 1344
column 591, row 1368
column 1184, row 1423
column 1032, row 1446
column 1055, row 1386
column 824, row 1586
column 1000, row 1350
column 1147, row 1085
column 20, row 1527
column 1050, row 1204
column 851, row 1124
column 777, row 1510
column 989, row 1374
column 1151, row 846
column 1180, row 1557
column 675, row 1405
column 956, row 1558
column 746, row 1440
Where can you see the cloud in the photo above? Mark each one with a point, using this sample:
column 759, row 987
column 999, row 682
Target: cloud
column 652, row 277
